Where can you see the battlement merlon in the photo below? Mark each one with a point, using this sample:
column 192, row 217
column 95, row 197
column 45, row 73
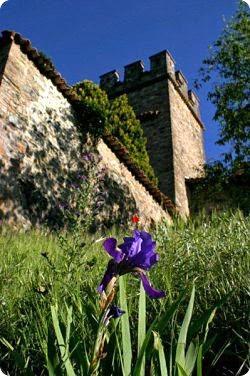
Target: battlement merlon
column 162, row 66
column 190, row 96
column 133, row 71
column 182, row 83
column 195, row 102
column 161, row 63
column 109, row 79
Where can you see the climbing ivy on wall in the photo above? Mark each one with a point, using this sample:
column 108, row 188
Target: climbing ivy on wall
column 115, row 117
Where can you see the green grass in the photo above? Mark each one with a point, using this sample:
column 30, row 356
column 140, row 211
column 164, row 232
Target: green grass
column 213, row 252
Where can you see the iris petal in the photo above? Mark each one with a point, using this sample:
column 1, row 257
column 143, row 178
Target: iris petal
column 125, row 247
column 151, row 291
column 110, row 246
column 135, row 248
column 148, row 246
column 144, row 260
column 115, row 312
column 108, row 275
column 145, row 235
column 131, row 246
column 137, row 234
column 105, row 281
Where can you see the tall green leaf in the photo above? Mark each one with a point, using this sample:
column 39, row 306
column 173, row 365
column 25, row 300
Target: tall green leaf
column 162, row 360
column 142, row 325
column 159, row 324
column 63, row 347
column 119, row 352
column 191, row 357
column 126, row 338
column 181, row 371
column 181, row 344
column 199, row 361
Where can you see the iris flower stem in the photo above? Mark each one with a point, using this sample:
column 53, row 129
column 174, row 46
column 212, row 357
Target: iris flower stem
column 106, row 300
column 99, row 343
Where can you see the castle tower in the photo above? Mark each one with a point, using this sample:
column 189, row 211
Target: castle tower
column 169, row 114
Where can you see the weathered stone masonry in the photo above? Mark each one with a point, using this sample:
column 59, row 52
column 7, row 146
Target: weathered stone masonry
column 40, row 147
column 169, row 113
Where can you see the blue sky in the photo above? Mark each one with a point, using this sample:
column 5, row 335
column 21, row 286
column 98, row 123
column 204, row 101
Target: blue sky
column 86, row 38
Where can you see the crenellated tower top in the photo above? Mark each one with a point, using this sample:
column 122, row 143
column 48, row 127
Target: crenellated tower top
column 162, row 65
column 170, row 116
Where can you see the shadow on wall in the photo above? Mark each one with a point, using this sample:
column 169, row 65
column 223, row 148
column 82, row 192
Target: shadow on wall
column 33, row 198
column 118, row 205
column 40, row 172
column 42, row 175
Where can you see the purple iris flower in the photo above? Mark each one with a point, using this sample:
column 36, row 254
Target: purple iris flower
column 115, row 312
column 137, row 254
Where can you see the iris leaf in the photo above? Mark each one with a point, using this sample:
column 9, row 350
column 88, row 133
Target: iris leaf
column 126, row 338
column 159, row 324
column 61, row 343
column 142, row 325
column 180, row 350
column 162, row 360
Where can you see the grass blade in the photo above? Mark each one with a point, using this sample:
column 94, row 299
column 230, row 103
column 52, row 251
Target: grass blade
column 68, row 327
column 6, row 343
column 162, row 322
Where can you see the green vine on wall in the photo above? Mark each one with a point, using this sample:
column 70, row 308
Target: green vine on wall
column 99, row 115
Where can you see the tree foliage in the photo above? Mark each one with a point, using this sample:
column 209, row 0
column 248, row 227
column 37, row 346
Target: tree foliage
column 115, row 117
column 222, row 188
column 229, row 67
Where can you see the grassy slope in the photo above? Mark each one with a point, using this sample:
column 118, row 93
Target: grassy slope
column 213, row 252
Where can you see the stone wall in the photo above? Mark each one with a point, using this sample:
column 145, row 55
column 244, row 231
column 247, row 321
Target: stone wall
column 41, row 151
column 133, row 196
column 188, row 150
column 3, row 57
column 154, row 99
column 170, row 117
column 39, row 144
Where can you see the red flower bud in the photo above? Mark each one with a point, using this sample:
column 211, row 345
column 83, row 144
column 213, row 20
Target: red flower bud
column 135, row 219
